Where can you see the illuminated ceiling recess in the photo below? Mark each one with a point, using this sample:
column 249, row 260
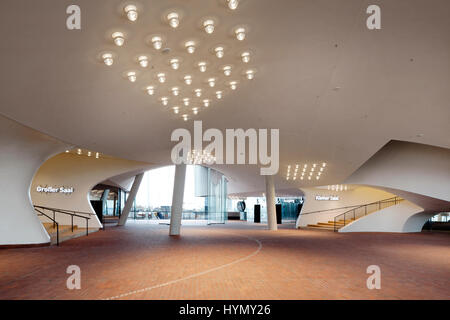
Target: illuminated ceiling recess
column 305, row 171
column 189, row 62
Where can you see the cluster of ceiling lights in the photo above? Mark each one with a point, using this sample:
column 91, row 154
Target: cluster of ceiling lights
column 337, row 187
column 200, row 157
column 87, row 153
column 308, row 172
column 182, row 99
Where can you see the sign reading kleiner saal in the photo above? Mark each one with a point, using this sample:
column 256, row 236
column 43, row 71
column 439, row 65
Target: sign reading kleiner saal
column 327, row 198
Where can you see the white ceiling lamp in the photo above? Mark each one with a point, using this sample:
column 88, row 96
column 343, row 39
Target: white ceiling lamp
column 206, row 103
column 219, row 94
column 157, row 42
column 245, row 56
column 79, row 151
column 208, row 26
column 131, row 75
column 233, row 85
column 165, row 101
column 233, row 4
column 143, row 61
column 108, row 59
column 188, row 79
column 250, row 74
column 227, row 70
column 150, row 90
column 198, row 92
column 118, row 38
column 161, row 77
column 219, row 52
column 195, row 110
column 186, row 101
column 131, row 12
column 190, row 46
column 97, row 155
column 212, row 82
column 175, row 63
column 240, row 33
column 202, row 66
column 174, row 19
column 176, row 110
column 175, row 91
column 185, row 117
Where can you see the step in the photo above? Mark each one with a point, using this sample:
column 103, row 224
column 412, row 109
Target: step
column 68, row 235
column 65, row 232
column 315, row 226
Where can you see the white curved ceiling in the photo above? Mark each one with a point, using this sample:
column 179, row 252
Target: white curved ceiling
column 336, row 90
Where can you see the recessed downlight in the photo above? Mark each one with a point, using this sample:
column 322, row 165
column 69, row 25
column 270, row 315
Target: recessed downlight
column 212, row 82
column 143, row 61
column 227, row 70
column 174, row 19
column 188, row 79
column 219, row 51
column 240, row 33
column 233, row 85
column 198, row 93
column 219, row 94
column 233, row 4
column 190, row 46
column 131, row 75
column 206, row 103
column 157, row 42
column 208, row 26
column 150, row 90
column 161, row 77
column 174, row 63
column 118, row 38
column 165, row 101
column 108, row 59
column 131, row 12
column 250, row 74
column 175, row 91
column 245, row 56
column 202, row 66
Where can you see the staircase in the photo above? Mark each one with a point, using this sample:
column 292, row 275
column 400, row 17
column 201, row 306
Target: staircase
column 60, row 233
column 354, row 214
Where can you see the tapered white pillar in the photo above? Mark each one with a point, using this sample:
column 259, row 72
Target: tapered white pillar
column 177, row 200
column 130, row 199
column 270, row 201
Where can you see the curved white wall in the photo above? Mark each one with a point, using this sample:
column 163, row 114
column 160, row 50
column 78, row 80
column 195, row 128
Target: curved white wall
column 416, row 172
column 403, row 217
column 82, row 173
column 22, row 151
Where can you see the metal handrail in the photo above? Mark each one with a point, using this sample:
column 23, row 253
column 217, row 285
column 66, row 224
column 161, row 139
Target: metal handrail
column 67, row 212
column 337, row 218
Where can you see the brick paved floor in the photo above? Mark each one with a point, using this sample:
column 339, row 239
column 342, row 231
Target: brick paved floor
column 227, row 262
